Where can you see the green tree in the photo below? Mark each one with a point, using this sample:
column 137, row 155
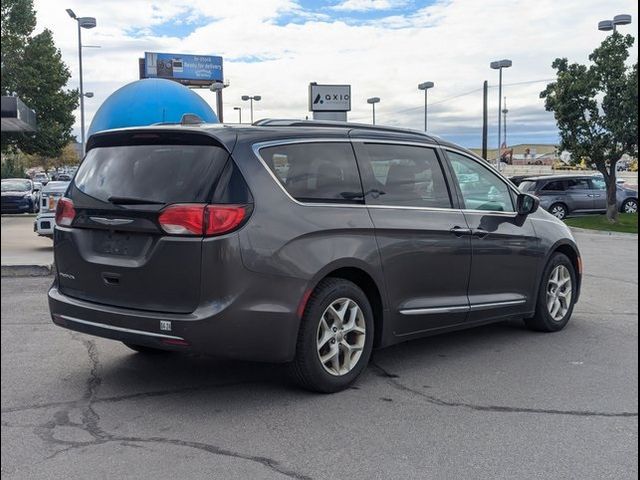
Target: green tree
column 596, row 109
column 32, row 68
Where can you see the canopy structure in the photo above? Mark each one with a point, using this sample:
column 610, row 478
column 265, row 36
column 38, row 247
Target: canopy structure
column 16, row 116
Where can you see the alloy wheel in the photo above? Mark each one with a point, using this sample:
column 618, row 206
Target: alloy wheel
column 341, row 336
column 631, row 206
column 559, row 211
column 559, row 293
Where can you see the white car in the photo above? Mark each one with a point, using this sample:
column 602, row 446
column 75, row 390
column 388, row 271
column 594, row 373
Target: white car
column 49, row 196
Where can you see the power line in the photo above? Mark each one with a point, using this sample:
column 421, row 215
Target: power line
column 464, row 94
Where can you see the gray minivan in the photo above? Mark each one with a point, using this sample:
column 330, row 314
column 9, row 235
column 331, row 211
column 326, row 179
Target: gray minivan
column 563, row 195
column 300, row 242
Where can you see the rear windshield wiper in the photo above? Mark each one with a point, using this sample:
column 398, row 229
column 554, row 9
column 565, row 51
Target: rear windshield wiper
column 133, row 201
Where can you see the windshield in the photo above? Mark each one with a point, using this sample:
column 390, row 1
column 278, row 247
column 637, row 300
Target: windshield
column 16, row 185
column 527, row 186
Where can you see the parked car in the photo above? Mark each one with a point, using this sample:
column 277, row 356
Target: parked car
column 563, row 195
column 308, row 243
column 62, row 177
column 19, row 195
column 41, row 177
column 49, row 196
column 518, row 179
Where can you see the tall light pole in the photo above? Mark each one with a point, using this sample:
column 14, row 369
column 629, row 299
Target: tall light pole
column 83, row 22
column 505, row 110
column 425, row 86
column 609, row 25
column 217, row 88
column 239, row 110
column 251, row 98
column 372, row 101
column 499, row 65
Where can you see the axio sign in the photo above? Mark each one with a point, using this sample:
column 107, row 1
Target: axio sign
column 187, row 69
column 329, row 98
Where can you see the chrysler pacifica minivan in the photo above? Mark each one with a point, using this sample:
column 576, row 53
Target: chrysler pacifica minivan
column 300, row 242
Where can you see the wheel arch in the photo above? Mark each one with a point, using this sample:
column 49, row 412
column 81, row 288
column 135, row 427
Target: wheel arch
column 359, row 274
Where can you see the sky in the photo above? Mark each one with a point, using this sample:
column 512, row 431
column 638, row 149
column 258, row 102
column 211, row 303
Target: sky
column 383, row 48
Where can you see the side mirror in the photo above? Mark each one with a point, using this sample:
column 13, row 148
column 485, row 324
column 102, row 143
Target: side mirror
column 527, row 204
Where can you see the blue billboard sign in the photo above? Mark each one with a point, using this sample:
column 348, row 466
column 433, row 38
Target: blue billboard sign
column 187, row 69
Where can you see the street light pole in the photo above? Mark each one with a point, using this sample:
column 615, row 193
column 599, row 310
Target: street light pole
column 372, row 101
column 611, row 25
column 251, row 98
column 499, row 65
column 83, row 22
column 504, row 112
column 425, row 86
column 239, row 110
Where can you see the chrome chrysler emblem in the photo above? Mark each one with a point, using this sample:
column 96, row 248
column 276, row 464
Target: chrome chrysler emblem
column 112, row 221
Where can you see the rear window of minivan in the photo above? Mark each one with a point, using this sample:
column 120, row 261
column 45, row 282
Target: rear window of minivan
column 158, row 173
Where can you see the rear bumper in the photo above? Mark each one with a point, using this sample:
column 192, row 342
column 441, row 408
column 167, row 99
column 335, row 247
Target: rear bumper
column 44, row 225
column 224, row 330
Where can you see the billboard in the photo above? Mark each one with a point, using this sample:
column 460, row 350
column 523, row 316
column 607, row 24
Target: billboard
column 329, row 98
column 186, row 69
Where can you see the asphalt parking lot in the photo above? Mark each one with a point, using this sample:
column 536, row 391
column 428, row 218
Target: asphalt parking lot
column 494, row 402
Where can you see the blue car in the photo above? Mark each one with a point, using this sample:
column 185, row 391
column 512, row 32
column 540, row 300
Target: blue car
column 19, row 195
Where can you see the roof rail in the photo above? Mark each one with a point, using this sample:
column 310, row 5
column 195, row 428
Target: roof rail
column 283, row 122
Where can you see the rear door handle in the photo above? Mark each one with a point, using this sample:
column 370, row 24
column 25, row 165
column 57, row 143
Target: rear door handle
column 459, row 231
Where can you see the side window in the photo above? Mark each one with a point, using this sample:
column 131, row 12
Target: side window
column 403, row 175
column 557, row 186
column 316, row 172
column 598, row 184
column 578, row 184
column 481, row 189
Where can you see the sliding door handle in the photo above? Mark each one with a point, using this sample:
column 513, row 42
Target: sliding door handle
column 480, row 233
column 459, row 231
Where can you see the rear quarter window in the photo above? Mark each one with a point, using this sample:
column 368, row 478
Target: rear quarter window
column 316, row 172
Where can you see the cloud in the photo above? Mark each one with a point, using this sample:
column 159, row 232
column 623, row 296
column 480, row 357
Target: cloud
column 274, row 48
column 367, row 5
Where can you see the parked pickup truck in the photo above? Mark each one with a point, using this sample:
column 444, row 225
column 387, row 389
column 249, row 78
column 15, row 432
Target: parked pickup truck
column 45, row 221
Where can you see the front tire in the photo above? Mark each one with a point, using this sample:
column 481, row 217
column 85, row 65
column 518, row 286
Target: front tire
column 335, row 338
column 630, row 206
column 556, row 296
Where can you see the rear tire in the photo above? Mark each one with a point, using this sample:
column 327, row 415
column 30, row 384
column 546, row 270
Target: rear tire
column 559, row 210
column 146, row 350
column 556, row 296
column 335, row 338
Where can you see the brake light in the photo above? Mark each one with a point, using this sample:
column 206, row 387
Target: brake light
column 224, row 218
column 198, row 219
column 65, row 213
column 183, row 219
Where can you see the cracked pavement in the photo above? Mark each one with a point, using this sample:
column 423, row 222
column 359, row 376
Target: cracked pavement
column 493, row 402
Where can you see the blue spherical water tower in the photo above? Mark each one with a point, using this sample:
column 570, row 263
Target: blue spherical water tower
column 149, row 101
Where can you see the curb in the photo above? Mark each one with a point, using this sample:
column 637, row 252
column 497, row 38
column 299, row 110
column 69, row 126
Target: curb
column 27, row 270
column 604, row 233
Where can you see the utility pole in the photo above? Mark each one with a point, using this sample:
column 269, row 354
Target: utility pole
column 485, row 118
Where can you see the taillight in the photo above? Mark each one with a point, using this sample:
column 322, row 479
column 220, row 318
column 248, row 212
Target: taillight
column 65, row 213
column 223, row 218
column 183, row 219
column 198, row 219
